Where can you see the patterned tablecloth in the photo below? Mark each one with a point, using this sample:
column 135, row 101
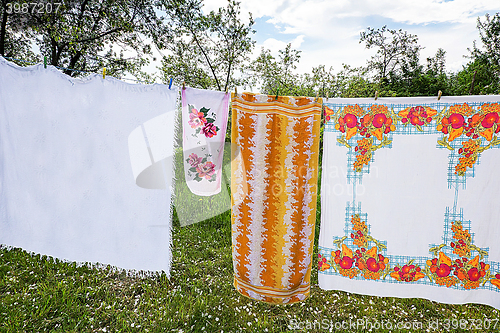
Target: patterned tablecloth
column 409, row 198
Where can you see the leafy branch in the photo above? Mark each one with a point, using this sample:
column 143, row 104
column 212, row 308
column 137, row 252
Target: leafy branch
column 339, row 241
column 379, row 245
column 385, row 142
column 481, row 252
column 387, row 271
column 445, row 144
column 494, row 142
column 343, row 141
column 429, row 274
column 435, row 250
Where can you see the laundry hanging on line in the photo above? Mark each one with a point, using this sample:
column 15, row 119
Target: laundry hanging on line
column 275, row 148
column 418, row 172
column 86, row 172
column 201, row 191
column 409, row 198
column 204, row 124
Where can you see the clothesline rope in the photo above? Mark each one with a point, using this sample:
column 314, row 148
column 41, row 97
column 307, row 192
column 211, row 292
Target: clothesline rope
column 69, row 69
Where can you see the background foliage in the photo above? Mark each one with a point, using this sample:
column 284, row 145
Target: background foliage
column 212, row 50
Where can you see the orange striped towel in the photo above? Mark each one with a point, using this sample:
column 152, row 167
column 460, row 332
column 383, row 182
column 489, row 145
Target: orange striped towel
column 274, row 184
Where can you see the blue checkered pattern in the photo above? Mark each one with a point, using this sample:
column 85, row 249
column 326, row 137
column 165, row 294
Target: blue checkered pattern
column 454, row 182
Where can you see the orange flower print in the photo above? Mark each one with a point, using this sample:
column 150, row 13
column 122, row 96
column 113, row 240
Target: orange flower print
column 463, row 239
column 454, row 122
column 328, row 113
column 461, row 119
column 417, row 116
column 453, row 125
column 323, row 265
column 376, row 108
column 376, row 122
column 407, row 273
column 496, row 281
column 469, row 153
column 440, row 269
column 463, row 109
column 350, row 120
column 490, row 119
column 379, row 120
column 361, row 230
column 364, row 155
column 484, row 125
column 343, row 261
column 470, row 272
column 354, row 109
column 372, row 124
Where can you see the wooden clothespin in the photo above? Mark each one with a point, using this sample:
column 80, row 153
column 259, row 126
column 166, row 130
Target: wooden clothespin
column 183, row 85
column 317, row 94
column 104, row 72
column 439, row 94
column 236, row 91
column 45, row 62
column 170, row 84
column 376, row 95
column 327, row 94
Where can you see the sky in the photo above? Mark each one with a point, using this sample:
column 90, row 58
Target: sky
column 327, row 31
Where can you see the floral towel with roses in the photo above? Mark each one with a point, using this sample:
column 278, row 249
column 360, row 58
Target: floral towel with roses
column 410, row 198
column 204, row 123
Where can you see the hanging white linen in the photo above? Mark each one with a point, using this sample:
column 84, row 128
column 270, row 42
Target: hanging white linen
column 73, row 184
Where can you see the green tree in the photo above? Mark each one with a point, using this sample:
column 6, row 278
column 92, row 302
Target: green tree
column 278, row 76
column 205, row 50
column 84, row 35
column 14, row 40
column 356, row 82
column 397, row 56
column 426, row 81
column 324, row 81
column 437, row 64
column 483, row 71
column 263, row 73
column 475, row 78
column 489, row 32
column 434, row 78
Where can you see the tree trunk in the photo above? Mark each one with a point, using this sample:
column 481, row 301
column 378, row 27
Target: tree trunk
column 54, row 59
column 3, row 31
column 472, row 83
column 228, row 76
column 72, row 63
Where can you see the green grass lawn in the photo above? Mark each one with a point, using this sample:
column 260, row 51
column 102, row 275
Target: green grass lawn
column 40, row 293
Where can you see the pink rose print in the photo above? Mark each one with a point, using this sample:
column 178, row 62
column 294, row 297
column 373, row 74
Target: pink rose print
column 206, row 170
column 196, row 119
column 209, row 130
column 194, row 160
